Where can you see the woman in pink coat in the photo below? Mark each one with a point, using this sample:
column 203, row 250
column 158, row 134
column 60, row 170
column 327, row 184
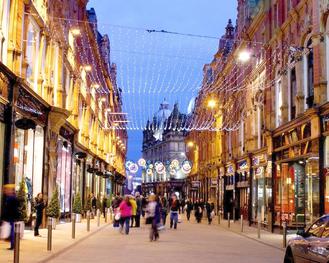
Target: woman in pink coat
column 125, row 211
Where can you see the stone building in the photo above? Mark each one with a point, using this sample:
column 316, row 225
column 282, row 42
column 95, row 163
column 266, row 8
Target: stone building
column 163, row 141
column 268, row 148
column 56, row 96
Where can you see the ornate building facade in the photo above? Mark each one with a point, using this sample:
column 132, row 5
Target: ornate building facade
column 164, row 141
column 57, row 93
column 267, row 155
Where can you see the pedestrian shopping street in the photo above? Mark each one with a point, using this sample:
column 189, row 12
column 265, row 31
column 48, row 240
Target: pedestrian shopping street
column 191, row 242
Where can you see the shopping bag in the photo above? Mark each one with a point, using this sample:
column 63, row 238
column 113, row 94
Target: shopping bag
column 160, row 227
column 179, row 218
column 117, row 216
column 212, row 214
column 5, row 230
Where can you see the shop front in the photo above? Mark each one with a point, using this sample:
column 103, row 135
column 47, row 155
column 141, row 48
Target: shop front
column 243, row 187
column 229, row 195
column 297, row 180
column 79, row 168
column 28, row 143
column 261, row 189
column 221, row 189
column 89, row 177
column 325, row 160
column 64, row 169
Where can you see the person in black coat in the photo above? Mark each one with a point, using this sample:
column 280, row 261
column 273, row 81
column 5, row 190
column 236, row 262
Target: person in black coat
column 39, row 206
column 10, row 209
column 209, row 208
column 189, row 208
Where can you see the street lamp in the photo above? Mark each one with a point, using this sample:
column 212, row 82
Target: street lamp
column 244, row 56
column 212, row 103
column 190, row 144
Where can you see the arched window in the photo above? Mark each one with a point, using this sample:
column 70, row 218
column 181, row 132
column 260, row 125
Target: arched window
column 310, row 76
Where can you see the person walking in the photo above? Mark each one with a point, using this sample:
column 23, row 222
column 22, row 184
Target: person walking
column 39, row 207
column 116, row 210
column 199, row 210
column 133, row 210
column 104, row 205
column 164, row 210
column 10, row 210
column 126, row 212
column 139, row 210
column 153, row 216
column 189, row 208
column 174, row 210
column 210, row 208
column 93, row 204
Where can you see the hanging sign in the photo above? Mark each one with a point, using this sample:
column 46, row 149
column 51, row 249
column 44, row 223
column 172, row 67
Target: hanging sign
column 186, row 167
column 142, row 162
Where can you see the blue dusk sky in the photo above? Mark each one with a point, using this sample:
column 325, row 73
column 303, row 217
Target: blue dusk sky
column 157, row 66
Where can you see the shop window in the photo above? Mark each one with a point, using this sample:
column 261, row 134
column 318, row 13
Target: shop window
column 28, row 160
column 64, row 160
column 2, row 145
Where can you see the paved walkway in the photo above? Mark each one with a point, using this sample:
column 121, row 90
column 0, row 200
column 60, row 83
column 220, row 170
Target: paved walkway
column 191, row 242
column 34, row 249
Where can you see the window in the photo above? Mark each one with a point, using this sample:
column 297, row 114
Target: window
column 317, row 228
column 310, row 76
column 278, row 103
column 4, row 26
column 292, row 94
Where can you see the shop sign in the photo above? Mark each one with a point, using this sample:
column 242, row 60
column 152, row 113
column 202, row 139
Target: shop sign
column 259, row 172
column 31, row 106
column 195, row 184
column 243, row 165
column 325, row 123
column 230, row 169
column 257, row 160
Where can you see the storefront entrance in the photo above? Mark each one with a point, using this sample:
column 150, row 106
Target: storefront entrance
column 297, row 192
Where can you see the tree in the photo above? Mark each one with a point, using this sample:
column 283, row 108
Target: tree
column 77, row 204
column 53, row 209
column 22, row 202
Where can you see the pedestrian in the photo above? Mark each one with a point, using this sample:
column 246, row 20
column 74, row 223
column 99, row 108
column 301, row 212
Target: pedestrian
column 116, row 210
column 93, row 204
column 164, row 210
column 210, row 209
column 182, row 205
column 133, row 210
column 104, row 205
column 174, row 210
column 144, row 205
column 198, row 210
column 10, row 210
column 39, row 207
column 153, row 216
column 139, row 210
column 189, row 208
column 125, row 214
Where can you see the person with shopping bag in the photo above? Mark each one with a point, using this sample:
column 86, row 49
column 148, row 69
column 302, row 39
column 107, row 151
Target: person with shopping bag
column 10, row 209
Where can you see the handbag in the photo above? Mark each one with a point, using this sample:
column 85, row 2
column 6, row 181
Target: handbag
column 117, row 216
column 212, row 214
column 5, row 230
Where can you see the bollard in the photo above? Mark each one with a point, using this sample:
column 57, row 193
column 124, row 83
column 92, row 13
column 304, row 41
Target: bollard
column 228, row 220
column 284, row 234
column 233, row 215
column 218, row 218
column 106, row 212
column 88, row 221
column 73, row 225
column 258, row 228
column 241, row 218
column 49, row 238
column 98, row 217
column 16, row 242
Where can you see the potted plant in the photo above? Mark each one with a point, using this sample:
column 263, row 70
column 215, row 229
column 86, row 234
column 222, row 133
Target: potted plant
column 53, row 209
column 77, row 207
column 22, row 207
